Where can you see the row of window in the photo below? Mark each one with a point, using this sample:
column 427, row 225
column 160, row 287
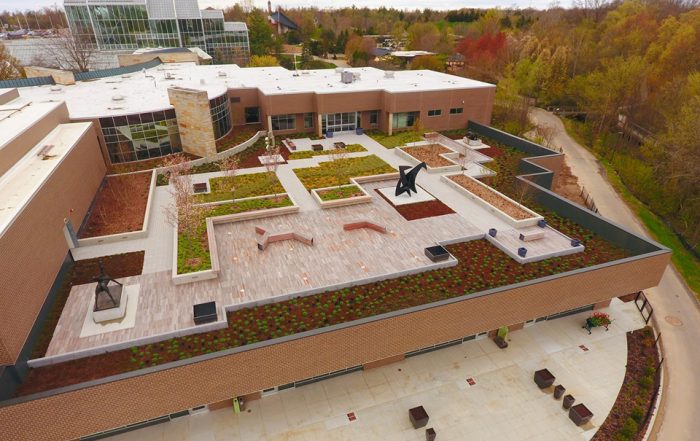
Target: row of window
column 220, row 116
column 142, row 136
column 453, row 111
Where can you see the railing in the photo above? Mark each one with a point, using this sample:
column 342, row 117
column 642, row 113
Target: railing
column 643, row 306
column 94, row 74
column 588, row 200
column 27, row 82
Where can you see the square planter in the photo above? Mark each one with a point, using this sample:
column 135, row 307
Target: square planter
column 568, row 401
column 204, row 313
column 437, row 253
column 418, row 416
column 430, row 434
column 544, row 378
column 493, row 232
column 522, row 251
column 580, row 414
column 559, row 391
column 359, row 131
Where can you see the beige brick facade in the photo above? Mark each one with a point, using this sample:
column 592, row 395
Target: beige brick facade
column 64, row 77
column 193, row 120
column 97, row 408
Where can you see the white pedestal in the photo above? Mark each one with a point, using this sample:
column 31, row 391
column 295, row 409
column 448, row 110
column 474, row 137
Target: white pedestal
column 274, row 159
column 110, row 314
column 404, row 198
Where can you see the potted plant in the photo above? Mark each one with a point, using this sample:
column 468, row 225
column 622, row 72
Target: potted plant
column 597, row 319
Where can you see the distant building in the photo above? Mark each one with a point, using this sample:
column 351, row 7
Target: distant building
column 455, row 62
column 125, row 25
column 279, row 21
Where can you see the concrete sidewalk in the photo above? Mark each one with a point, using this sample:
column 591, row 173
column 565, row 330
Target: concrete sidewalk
column 671, row 299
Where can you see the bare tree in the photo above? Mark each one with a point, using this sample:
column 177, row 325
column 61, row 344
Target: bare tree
column 10, row 68
column 271, row 159
column 338, row 156
column 71, row 52
column 183, row 213
column 229, row 166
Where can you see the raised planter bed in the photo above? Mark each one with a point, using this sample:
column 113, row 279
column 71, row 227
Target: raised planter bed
column 121, row 210
column 435, row 156
column 331, row 197
column 514, row 214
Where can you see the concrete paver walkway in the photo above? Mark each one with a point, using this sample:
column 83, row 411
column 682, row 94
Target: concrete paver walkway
column 671, row 298
column 503, row 405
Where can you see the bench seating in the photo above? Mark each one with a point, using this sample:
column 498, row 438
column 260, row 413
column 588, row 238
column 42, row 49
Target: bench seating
column 532, row 235
column 364, row 224
column 289, row 144
column 265, row 237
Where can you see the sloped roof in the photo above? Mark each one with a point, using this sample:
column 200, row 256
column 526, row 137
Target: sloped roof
column 279, row 17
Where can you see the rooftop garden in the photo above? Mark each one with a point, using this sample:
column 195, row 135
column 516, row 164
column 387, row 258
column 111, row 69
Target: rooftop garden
column 238, row 135
column 512, row 209
column 193, row 250
column 418, row 210
column 430, row 154
column 506, row 164
column 81, row 272
column 120, row 205
column 395, row 140
column 244, row 186
column 146, row 164
column 481, row 266
column 326, row 174
column 344, row 192
column 305, row 154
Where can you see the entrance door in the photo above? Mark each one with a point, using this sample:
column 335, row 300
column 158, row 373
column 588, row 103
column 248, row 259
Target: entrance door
column 339, row 122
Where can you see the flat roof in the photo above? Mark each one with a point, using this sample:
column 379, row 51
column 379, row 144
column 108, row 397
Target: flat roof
column 19, row 115
column 146, row 91
column 27, row 176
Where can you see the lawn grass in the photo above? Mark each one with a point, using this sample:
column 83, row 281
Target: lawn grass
column 245, row 186
column 305, row 154
column 395, row 140
column 325, row 175
column 685, row 262
column 193, row 252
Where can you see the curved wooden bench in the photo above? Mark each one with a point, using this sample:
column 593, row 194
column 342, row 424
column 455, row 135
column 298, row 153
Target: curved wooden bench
column 267, row 238
column 364, row 224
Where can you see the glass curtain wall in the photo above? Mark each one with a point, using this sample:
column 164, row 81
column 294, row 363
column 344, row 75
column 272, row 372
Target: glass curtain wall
column 340, row 122
column 225, row 46
column 404, row 119
column 141, row 136
column 79, row 22
column 220, row 116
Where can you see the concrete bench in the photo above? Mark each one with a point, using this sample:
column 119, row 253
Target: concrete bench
column 364, row 224
column 265, row 237
column 532, row 235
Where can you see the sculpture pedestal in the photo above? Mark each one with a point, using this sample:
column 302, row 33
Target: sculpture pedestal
column 105, row 311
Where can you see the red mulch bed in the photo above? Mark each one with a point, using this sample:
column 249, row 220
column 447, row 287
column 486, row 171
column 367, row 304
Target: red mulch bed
column 642, row 360
column 119, row 207
column 147, row 164
column 419, row 210
column 80, row 273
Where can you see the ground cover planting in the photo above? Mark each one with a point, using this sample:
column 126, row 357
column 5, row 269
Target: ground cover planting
column 430, row 154
column 146, row 164
column 119, row 207
column 245, row 186
column 481, row 266
column 506, row 164
column 395, row 140
column 627, row 418
column 305, row 154
column 237, row 136
column 79, row 273
column 326, row 173
column 494, row 199
column 193, row 250
column 332, row 194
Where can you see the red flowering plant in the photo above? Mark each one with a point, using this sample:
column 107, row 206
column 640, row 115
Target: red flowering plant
column 599, row 319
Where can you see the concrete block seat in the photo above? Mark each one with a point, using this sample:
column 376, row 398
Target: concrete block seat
column 362, row 223
column 265, row 237
column 289, row 144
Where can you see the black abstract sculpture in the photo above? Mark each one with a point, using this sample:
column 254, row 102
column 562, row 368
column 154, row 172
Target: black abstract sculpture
column 407, row 181
column 103, row 285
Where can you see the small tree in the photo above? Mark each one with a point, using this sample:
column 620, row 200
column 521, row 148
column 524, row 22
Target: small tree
column 338, row 156
column 183, row 212
column 229, row 166
column 72, row 52
column 271, row 159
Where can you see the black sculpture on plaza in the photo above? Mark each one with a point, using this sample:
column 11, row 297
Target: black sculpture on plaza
column 103, row 287
column 407, row 181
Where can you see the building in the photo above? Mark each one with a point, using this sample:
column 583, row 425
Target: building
column 58, row 140
column 280, row 22
column 282, row 101
column 135, row 24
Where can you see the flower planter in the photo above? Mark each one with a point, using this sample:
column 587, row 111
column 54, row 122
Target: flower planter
column 559, row 391
column 544, row 378
column 568, row 401
column 580, row 414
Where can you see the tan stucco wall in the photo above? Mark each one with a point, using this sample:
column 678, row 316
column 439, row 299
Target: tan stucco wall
column 193, row 120
column 34, row 246
column 81, row 412
column 168, row 57
column 64, row 77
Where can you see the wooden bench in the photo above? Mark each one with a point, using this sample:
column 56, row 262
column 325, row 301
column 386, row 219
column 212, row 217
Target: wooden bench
column 532, row 235
column 200, row 187
column 265, row 238
column 364, row 224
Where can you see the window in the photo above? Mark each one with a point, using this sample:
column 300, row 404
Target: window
column 220, row 116
column 434, row 112
column 404, row 119
column 141, row 136
column 456, row 110
column 308, row 120
column 283, row 122
column 252, row 115
column 374, row 117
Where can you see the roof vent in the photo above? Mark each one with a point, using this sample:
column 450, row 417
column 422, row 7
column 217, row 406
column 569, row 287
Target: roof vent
column 118, row 98
column 347, row 77
column 222, row 73
column 305, row 72
column 389, row 74
column 201, row 81
column 56, row 89
column 126, row 76
column 168, row 76
column 339, row 70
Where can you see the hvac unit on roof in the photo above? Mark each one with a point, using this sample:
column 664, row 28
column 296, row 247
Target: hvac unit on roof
column 56, row 89
column 339, row 70
column 347, row 77
column 168, row 76
column 221, row 73
column 389, row 74
column 201, row 81
column 118, row 98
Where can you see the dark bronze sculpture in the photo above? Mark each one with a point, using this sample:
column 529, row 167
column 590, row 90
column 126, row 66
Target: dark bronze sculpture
column 407, row 181
column 103, row 287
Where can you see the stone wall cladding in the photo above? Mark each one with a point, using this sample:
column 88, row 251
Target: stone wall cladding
column 78, row 413
column 193, row 120
column 37, row 245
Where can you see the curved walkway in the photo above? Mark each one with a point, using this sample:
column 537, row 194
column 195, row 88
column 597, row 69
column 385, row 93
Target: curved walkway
column 671, row 299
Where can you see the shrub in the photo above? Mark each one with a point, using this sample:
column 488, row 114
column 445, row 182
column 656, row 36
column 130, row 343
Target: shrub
column 637, row 415
column 646, row 382
column 628, row 430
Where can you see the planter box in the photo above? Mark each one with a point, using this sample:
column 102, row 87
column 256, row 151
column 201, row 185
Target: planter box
column 544, row 378
column 418, row 416
column 437, row 253
column 580, row 414
column 559, row 391
column 568, row 401
column 366, row 197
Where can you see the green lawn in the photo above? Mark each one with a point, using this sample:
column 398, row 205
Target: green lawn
column 245, row 186
column 325, row 175
column 350, row 148
column 395, row 140
column 687, row 264
column 340, row 193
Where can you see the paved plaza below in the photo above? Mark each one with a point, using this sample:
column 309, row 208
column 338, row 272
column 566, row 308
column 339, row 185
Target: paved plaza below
column 504, row 404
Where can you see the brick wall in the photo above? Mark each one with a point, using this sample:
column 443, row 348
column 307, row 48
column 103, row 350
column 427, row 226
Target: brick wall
column 34, row 246
column 84, row 411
